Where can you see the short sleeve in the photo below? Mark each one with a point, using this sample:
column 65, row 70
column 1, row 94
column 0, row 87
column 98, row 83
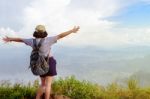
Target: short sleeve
column 28, row 41
column 51, row 40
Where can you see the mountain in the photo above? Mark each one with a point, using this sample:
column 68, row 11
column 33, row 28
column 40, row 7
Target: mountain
column 100, row 65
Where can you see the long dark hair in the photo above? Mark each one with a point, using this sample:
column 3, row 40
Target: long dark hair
column 40, row 34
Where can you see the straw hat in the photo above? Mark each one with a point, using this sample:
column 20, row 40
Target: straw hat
column 40, row 28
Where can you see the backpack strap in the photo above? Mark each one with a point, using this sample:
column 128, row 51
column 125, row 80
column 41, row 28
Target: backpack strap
column 40, row 43
column 35, row 46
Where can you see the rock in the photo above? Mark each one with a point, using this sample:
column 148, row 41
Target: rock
column 54, row 96
column 59, row 97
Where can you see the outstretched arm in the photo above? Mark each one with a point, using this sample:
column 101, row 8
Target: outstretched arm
column 10, row 39
column 74, row 30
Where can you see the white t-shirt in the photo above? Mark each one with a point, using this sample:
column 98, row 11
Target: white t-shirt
column 46, row 44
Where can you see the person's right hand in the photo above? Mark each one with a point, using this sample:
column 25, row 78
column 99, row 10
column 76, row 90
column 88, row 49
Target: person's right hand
column 6, row 39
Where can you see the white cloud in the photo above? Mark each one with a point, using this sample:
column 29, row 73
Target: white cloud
column 47, row 12
column 91, row 16
column 7, row 32
column 61, row 15
column 10, row 33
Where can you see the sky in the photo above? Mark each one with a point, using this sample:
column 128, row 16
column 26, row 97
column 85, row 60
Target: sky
column 104, row 23
column 114, row 36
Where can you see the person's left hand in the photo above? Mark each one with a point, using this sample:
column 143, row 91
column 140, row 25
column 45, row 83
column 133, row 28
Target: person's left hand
column 75, row 29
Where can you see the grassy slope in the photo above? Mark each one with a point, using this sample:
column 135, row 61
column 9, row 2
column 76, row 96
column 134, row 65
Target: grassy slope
column 76, row 90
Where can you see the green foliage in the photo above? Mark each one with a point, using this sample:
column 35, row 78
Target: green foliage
column 17, row 91
column 76, row 89
column 133, row 84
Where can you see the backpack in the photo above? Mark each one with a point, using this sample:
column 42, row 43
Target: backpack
column 38, row 63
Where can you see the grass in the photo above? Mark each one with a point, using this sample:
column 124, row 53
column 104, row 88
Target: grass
column 18, row 90
column 76, row 89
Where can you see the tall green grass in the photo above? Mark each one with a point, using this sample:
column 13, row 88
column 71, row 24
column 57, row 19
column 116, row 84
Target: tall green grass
column 76, row 89
column 18, row 90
